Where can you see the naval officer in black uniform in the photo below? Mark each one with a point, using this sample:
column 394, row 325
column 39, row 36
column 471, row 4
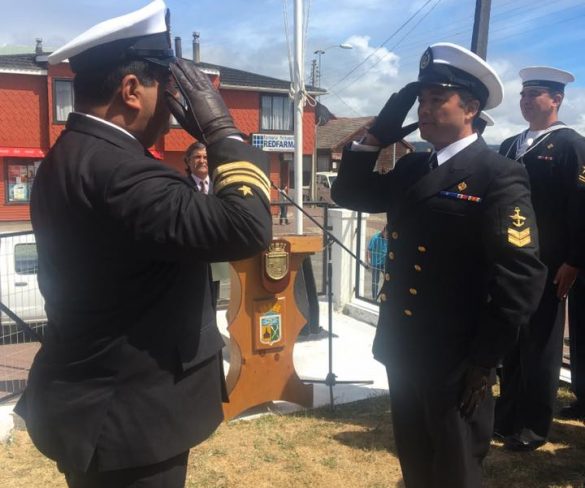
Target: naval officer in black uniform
column 129, row 376
column 462, row 272
column 554, row 156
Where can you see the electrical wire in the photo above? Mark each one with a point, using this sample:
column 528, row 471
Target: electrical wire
column 404, row 24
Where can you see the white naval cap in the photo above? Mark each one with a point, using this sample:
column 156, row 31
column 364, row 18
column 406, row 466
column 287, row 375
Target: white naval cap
column 482, row 121
column 449, row 65
column 142, row 34
column 546, row 77
column 487, row 118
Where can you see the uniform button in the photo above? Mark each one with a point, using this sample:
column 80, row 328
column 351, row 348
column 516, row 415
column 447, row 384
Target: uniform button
column 391, row 255
column 413, row 291
column 408, row 313
column 382, row 297
column 417, row 267
column 387, row 276
column 394, row 235
column 422, row 249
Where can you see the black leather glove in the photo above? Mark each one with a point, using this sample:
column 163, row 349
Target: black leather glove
column 387, row 127
column 206, row 116
column 476, row 383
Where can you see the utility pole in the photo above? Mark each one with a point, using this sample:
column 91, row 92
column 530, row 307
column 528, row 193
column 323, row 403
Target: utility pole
column 299, row 101
column 479, row 39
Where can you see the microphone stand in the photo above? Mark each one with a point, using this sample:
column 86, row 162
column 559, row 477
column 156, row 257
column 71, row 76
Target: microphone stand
column 331, row 378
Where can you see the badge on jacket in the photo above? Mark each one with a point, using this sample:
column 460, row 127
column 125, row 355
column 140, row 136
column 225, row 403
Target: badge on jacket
column 581, row 177
column 518, row 230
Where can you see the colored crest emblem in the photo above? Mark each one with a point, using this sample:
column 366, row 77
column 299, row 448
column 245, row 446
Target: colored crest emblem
column 277, row 260
column 426, row 59
column 270, row 328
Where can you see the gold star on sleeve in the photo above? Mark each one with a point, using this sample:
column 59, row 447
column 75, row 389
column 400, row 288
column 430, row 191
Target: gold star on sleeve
column 246, row 190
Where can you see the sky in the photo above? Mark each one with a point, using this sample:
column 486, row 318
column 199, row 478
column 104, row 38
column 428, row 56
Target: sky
column 387, row 38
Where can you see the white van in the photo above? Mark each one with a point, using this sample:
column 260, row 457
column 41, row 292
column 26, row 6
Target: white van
column 323, row 182
column 19, row 289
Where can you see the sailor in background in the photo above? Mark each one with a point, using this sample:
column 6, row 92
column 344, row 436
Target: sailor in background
column 554, row 156
column 460, row 278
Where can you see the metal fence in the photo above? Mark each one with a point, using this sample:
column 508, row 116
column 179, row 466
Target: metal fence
column 22, row 306
column 370, row 279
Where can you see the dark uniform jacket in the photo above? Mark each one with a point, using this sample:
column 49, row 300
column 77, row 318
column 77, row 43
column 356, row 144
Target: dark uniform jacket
column 556, row 167
column 128, row 373
column 460, row 276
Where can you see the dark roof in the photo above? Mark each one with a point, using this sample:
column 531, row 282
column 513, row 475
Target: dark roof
column 237, row 77
column 228, row 76
column 337, row 131
column 21, row 62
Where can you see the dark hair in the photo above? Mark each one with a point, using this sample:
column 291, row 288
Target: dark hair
column 466, row 98
column 99, row 86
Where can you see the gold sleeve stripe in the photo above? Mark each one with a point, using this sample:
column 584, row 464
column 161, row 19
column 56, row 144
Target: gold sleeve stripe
column 238, row 179
column 238, row 166
column 242, row 172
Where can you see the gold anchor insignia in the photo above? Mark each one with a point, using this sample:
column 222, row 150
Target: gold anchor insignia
column 246, row 190
column 550, row 146
column 462, row 186
column 517, row 219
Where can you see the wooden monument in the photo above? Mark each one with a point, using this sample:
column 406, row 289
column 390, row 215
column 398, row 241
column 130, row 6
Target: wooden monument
column 264, row 322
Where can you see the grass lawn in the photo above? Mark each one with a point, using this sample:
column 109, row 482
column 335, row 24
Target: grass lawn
column 350, row 447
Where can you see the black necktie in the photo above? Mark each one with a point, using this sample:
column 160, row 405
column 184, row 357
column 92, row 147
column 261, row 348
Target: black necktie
column 433, row 162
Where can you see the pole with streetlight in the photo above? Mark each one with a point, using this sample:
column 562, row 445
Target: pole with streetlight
column 316, row 73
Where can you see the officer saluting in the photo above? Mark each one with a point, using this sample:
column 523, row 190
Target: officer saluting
column 554, row 156
column 462, row 272
column 129, row 376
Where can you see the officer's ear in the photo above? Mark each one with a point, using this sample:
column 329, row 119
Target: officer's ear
column 472, row 109
column 131, row 92
column 557, row 98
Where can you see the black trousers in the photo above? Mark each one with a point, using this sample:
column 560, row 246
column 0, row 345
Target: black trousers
column 577, row 337
column 436, row 447
column 530, row 372
column 167, row 474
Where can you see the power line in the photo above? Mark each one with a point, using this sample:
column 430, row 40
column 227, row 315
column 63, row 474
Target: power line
column 381, row 45
column 393, row 47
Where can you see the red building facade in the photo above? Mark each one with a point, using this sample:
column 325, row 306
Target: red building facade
column 35, row 99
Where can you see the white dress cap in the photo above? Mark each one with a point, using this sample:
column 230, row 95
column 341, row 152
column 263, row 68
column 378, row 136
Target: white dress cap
column 487, row 118
column 546, row 77
column 450, row 65
column 144, row 22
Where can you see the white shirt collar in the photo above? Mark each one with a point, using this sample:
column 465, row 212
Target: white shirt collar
column 93, row 117
column 456, row 147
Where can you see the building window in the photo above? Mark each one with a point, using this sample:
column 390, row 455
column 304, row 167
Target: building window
column 20, row 174
column 276, row 113
column 62, row 99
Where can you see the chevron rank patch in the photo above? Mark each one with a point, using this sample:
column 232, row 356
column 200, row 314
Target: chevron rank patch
column 517, row 225
column 581, row 175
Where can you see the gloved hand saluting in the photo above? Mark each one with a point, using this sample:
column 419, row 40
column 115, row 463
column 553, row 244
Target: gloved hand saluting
column 474, row 390
column 206, row 116
column 387, row 127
